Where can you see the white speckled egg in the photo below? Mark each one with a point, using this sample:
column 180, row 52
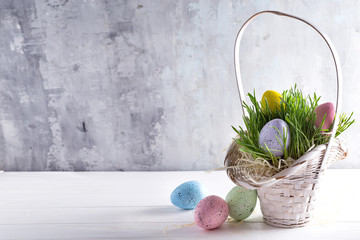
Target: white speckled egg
column 269, row 135
column 187, row 195
column 241, row 202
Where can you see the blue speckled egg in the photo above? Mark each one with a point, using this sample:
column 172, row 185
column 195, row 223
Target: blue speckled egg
column 211, row 212
column 187, row 195
column 269, row 134
column 241, row 202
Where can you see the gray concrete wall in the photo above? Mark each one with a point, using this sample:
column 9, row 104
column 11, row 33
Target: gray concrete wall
column 149, row 85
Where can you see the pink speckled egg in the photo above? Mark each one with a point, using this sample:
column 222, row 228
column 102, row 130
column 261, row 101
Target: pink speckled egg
column 211, row 212
column 328, row 109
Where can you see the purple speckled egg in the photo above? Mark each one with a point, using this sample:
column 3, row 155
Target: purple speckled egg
column 211, row 212
column 269, row 135
column 328, row 109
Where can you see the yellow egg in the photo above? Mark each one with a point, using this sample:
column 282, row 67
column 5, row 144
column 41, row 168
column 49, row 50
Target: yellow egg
column 273, row 99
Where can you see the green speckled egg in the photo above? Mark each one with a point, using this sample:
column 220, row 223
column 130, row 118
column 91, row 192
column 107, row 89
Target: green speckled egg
column 241, row 202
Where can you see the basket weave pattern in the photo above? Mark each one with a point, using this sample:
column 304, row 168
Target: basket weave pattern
column 289, row 200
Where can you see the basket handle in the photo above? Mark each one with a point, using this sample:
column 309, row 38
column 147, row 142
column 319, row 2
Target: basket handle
column 333, row 54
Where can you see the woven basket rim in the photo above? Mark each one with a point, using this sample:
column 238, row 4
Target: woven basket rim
column 291, row 170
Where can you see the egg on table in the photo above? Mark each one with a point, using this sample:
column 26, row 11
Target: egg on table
column 326, row 110
column 211, row 212
column 241, row 202
column 187, row 195
column 269, row 136
column 273, row 99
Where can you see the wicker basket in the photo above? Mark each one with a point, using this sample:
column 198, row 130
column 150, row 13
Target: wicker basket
column 287, row 198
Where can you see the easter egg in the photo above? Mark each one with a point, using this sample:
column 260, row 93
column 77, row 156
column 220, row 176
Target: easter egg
column 269, row 136
column 211, row 212
column 187, row 195
column 327, row 109
column 241, row 202
column 273, row 99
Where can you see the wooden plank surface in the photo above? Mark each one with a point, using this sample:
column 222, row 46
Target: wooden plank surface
column 136, row 205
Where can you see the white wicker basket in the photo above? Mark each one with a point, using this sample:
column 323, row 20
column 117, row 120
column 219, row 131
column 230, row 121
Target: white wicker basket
column 287, row 199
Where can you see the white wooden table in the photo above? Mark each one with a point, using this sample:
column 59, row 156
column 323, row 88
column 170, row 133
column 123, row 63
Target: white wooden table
column 136, row 205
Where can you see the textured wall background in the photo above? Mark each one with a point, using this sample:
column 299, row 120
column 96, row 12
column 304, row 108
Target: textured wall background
column 149, row 85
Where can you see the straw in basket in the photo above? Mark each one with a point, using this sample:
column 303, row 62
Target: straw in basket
column 287, row 198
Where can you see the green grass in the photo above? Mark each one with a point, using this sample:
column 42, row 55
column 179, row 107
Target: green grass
column 298, row 112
